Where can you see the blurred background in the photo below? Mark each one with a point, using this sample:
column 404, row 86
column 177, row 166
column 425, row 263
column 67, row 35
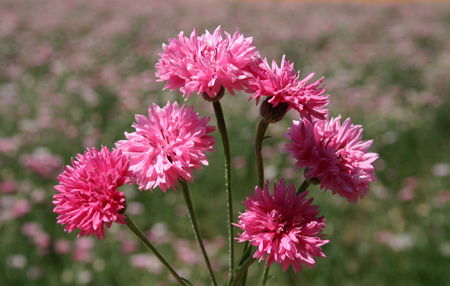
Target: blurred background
column 74, row 73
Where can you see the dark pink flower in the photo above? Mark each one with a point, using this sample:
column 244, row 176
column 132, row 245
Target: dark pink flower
column 168, row 145
column 282, row 85
column 88, row 197
column 206, row 63
column 334, row 154
column 284, row 227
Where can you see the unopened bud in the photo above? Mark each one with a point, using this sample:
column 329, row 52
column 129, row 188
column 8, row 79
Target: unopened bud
column 273, row 114
column 219, row 95
column 311, row 180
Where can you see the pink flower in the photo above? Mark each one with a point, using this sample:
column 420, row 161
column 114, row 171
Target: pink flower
column 206, row 63
column 334, row 154
column 8, row 186
column 88, row 197
column 284, row 227
column 167, row 146
column 282, row 85
column 42, row 162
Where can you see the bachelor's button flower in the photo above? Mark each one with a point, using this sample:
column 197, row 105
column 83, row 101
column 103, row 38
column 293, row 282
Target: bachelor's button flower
column 167, row 146
column 284, row 227
column 334, row 154
column 206, row 64
column 281, row 86
column 88, row 197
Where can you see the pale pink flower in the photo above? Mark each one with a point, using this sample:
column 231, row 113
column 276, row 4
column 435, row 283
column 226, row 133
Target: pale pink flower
column 281, row 84
column 167, row 146
column 284, row 227
column 206, row 63
column 20, row 208
column 408, row 192
column 334, row 154
column 42, row 162
column 129, row 246
column 62, row 246
column 83, row 249
column 88, row 195
column 146, row 261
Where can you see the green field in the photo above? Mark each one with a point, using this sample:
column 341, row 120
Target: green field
column 73, row 74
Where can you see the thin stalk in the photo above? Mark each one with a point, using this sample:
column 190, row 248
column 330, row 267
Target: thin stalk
column 226, row 148
column 262, row 127
column 150, row 246
column 303, row 187
column 197, row 235
column 265, row 276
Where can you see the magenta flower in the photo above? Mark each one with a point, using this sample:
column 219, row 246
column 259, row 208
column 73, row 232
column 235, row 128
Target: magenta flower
column 88, row 197
column 206, row 63
column 284, row 227
column 334, row 154
column 282, row 85
column 167, row 146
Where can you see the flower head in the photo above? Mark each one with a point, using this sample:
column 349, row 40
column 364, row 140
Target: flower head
column 88, row 197
column 168, row 145
column 282, row 85
column 206, row 63
column 284, row 227
column 334, row 154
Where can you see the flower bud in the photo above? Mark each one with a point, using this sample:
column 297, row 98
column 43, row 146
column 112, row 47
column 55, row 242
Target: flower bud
column 311, row 180
column 219, row 95
column 273, row 114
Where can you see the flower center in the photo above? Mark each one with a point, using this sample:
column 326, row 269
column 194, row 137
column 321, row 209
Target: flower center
column 209, row 52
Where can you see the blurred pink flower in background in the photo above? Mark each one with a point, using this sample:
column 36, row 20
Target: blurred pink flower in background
column 167, row 146
column 88, row 197
column 397, row 242
column 185, row 252
column 20, row 208
column 63, row 246
column 146, row 261
column 239, row 162
column 37, row 236
column 13, row 207
column 42, row 162
column 334, row 154
column 8, row 186
column 10, row 145
column 282, row 85
column 129, row 246
column 206, row 63
column 407, row 193
column 441, row 198
column 135, row 208
column 83, row 249
column 284, row 227
column 159, row 233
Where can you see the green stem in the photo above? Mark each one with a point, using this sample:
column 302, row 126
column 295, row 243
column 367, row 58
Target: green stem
column 303, row 187
column 150, row 246
column 241, row 271
column 197, row 235
column 265, row 276
column 226, row 148
column 262, row 127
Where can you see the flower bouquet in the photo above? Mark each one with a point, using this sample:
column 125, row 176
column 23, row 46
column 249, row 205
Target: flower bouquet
column 278, row 224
